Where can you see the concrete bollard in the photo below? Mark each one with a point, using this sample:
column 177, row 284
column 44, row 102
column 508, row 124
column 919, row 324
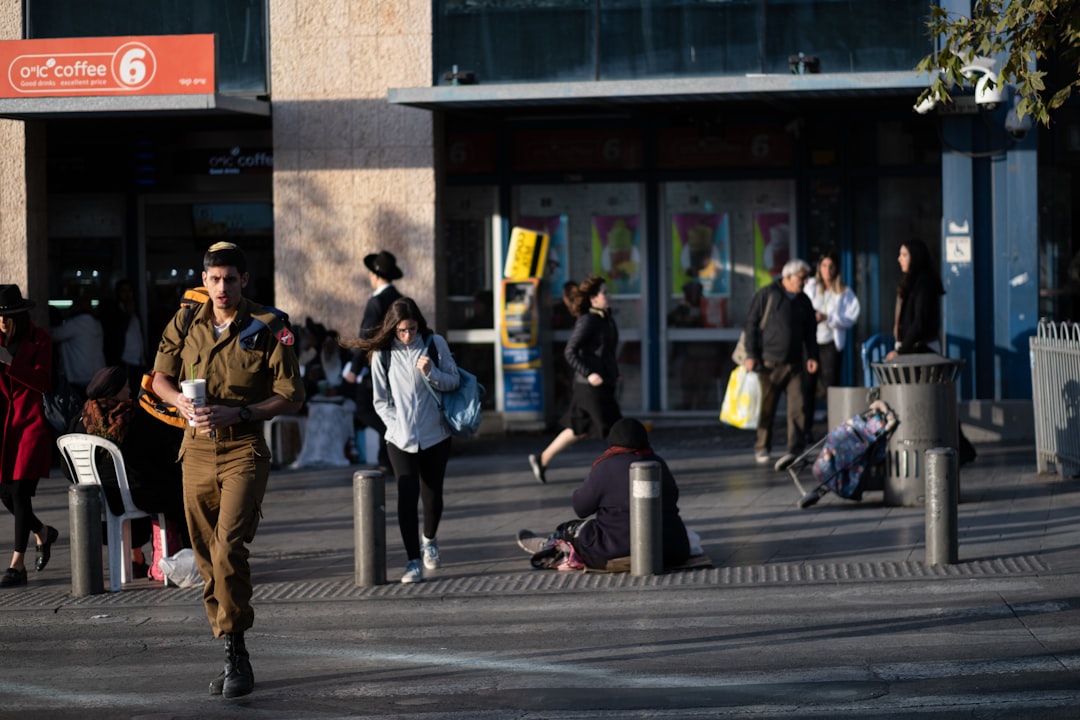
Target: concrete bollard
column 942, row 496
column 646, row 531
column 84, row 519
column 369, row 517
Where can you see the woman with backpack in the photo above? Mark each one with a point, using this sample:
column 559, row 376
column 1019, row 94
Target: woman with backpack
column 408, row 361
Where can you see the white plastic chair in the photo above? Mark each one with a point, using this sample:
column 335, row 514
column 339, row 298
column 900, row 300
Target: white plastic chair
column 78, row 450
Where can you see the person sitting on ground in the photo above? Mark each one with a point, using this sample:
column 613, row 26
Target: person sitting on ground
column 602, row 503
column 149, row 448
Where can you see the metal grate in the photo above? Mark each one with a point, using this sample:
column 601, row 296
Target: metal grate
column 1055, row 386
column 918, row 369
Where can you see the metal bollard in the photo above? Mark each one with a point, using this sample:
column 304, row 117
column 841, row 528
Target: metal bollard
column 369, row 516
column 942, row 496
column 84, row 519
column 646, row 532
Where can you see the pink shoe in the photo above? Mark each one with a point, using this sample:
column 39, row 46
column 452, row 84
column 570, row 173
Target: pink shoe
column 571, row 560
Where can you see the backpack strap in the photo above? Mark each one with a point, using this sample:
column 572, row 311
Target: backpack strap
column 274, row 320
column 432, row 353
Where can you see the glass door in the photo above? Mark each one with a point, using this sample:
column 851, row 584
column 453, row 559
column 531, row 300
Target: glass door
column 596, row 229
column 723, row 241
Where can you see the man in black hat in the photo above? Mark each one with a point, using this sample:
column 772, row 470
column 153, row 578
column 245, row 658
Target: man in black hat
column 382, row 272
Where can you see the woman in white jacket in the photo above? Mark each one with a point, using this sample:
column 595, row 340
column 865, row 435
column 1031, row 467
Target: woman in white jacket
column 408, row 361
column 836, row 309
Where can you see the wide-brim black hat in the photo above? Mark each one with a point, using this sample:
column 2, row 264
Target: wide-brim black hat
column 383, row 264
column 12, row 301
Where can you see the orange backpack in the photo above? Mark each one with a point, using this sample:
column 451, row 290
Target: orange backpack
column 192, row 300
column 274, row 320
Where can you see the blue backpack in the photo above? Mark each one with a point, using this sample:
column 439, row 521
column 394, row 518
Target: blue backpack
column 461, row 408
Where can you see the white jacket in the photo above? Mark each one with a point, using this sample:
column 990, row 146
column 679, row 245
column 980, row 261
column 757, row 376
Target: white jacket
column 411, row 413
column 840, row 311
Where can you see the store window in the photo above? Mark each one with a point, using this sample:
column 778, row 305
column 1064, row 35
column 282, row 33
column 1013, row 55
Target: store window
column 468, row 216
column 595, row 229
column 724, row 241
column 240, row 27
column 498, row 41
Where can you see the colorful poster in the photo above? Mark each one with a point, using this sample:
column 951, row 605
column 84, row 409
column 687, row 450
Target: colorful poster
column 772, row 246
column 616, row 251
column 555, row 226
column 701, row 250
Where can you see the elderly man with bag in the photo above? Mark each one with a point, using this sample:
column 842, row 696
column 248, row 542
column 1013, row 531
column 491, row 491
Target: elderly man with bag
column 780, row 332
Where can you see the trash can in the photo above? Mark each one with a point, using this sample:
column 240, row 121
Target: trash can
column 845, row 403
column 921, row 390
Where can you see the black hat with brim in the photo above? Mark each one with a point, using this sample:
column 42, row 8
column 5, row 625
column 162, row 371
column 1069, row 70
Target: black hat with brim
column 383, row 264
column 12, row 301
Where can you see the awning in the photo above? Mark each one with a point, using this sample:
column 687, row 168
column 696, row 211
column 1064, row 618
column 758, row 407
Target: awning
column 742, row 88
column 32, row 108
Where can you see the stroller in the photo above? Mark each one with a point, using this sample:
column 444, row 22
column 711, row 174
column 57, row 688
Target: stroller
column 841, row 458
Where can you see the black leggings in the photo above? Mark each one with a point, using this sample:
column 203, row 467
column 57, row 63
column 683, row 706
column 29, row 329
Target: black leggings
column 419, row 478
column 16, row 497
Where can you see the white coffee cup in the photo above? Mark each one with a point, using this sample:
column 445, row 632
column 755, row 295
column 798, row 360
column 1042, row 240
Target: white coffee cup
column 196, row 391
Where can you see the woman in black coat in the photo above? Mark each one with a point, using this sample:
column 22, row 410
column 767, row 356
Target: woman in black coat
column 590, row 352
column 917, row 327
column 603, row 504
column 918, row 316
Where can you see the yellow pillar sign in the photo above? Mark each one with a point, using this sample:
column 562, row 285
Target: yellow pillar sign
column 527, row 256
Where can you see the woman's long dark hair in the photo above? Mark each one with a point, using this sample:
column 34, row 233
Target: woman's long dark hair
column 21, row 321
column 401, row 309
column 584, row 293
column 918, row 265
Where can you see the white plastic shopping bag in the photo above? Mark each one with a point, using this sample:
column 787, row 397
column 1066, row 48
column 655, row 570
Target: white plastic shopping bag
column 742, row 400
column 180, row 569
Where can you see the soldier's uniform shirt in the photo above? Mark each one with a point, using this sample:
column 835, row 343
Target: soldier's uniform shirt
column 225, row 474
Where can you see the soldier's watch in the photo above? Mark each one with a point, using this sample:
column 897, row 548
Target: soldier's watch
column 245, row 414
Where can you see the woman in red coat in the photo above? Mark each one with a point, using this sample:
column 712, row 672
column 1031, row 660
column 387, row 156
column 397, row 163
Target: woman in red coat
column 25, row 437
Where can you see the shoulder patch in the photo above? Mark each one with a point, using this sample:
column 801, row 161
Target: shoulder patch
column 285, row 337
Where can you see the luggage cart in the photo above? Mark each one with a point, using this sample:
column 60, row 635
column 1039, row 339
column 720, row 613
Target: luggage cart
column 840, row 459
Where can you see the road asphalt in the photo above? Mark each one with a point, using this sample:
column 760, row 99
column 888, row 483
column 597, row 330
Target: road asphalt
column 828, row 612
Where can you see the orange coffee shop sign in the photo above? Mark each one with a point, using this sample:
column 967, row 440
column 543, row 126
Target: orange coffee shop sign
column 109, row 66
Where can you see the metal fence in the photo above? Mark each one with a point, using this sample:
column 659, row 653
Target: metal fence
column 1055, row 386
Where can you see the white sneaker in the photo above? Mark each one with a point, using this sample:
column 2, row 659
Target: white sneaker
column 530, row 542
column 429, row 550
column 414, row 572
column 761, row 458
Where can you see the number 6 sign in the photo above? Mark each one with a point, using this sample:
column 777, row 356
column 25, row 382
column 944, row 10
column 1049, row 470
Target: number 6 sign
column 150, row 65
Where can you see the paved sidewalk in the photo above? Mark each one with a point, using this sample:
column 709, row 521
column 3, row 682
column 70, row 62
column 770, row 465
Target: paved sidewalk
column 1011, row 521
column 821, row 613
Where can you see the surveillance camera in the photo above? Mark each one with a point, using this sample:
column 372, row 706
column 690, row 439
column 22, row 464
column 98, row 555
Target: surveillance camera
column 1017, row 125
column 986, row 96
column 928, row 103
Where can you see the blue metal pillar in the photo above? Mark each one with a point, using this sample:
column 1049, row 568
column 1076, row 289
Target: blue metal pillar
column 1015, row 193
column 958, row 247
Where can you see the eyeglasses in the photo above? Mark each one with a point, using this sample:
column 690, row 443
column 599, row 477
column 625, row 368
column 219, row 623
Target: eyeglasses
column 410, row 330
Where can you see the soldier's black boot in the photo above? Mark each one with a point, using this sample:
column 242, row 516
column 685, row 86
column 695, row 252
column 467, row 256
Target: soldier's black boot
column 239, row 677
column 218, row 683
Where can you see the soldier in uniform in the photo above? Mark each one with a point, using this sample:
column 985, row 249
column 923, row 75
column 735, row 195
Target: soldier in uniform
column 245, row 353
